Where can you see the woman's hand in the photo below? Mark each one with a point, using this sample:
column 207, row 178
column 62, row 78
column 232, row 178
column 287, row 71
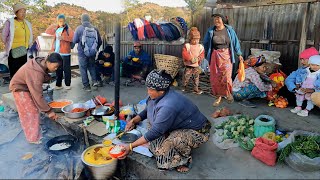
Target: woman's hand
column 130, row 125
column 126, row 150
column 240, row 58
column 101, row 61
column 52, row 115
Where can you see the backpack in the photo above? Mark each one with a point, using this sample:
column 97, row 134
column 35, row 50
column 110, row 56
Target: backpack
column 89, row 41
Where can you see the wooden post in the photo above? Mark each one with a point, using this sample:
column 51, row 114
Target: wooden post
column 304, row 28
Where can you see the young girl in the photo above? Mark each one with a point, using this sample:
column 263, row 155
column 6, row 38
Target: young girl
column 192, row 54
column 307, row 82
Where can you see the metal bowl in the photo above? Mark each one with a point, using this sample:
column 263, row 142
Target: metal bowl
column 59, row 110
column 67, row 110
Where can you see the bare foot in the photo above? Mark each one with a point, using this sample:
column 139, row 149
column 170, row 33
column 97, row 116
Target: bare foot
column 230, row 99
column 183, row 169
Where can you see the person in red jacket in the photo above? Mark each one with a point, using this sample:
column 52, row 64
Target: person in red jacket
column 63, row 36
column 192, row 54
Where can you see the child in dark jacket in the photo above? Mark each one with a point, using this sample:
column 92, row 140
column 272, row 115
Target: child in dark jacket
column 104, row 64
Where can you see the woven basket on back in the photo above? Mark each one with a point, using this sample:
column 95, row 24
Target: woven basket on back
column 170, row 64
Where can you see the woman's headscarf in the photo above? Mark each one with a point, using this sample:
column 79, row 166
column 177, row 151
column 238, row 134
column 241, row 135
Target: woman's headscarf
column 158, row 80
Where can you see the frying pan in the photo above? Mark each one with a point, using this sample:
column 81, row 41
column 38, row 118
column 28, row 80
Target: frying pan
column 102, row 111
column 61, row 139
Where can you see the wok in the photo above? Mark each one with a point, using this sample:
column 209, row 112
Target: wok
column 98, row 112
column 68, row 139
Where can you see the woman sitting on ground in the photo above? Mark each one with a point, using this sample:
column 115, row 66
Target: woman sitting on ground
column 253, row 86
column 176, row 124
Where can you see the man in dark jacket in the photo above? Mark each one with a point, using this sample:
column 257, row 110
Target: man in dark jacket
column 104, row 65
column 89, row 41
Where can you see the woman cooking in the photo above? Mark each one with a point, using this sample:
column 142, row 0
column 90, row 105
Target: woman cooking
column 17, row 36
column 26, row 87
column 176, row 124
column 220, row 44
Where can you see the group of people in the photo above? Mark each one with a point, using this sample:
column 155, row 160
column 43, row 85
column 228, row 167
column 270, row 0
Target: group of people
column 176, row 124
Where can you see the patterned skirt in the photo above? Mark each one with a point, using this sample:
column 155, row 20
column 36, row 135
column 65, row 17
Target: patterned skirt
column 221, row 73
column 29, row 116
column 175, row 149
column 248, row 92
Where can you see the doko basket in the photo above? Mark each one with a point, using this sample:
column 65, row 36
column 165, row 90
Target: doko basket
column 170, row 64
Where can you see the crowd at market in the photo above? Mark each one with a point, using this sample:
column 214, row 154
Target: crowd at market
column 177, row 125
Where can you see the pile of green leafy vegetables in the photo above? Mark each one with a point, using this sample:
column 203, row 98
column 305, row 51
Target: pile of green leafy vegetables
column 306, row 145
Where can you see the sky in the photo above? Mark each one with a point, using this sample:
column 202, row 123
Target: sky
column 113, row 6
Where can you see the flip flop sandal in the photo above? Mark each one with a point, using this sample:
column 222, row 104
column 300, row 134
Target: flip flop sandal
column 198, row 92
column 188, row 165
column 215, row 104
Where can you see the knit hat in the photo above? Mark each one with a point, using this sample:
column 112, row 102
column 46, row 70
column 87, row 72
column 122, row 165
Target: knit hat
column 18, row 6
column 108, row 49
column 158, row 80
column 307, row 53
column 315, row 60
column 137, row 44
column 61, row 16
column 85, row 18
column 194, row 33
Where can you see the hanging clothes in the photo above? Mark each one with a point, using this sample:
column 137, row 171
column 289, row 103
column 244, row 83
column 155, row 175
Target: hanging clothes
column 158, row 31
column 148, row 29
column 183, row 24
column 174, row 31
column 133, row 31
column 140, row 27
column 168, row 36
column 178, row 26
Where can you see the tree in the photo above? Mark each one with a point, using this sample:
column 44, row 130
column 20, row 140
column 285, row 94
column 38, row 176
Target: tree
column 195, row 6
column 34, row 5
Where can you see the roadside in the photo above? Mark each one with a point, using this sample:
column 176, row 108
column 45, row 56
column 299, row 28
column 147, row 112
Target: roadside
column 209, row 161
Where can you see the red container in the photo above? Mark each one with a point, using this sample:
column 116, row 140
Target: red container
column 116, row 155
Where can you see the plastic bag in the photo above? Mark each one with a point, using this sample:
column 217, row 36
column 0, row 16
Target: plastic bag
column 265, row 151
column 300, row 162
column 241, row 72
column 297, row 161
column 218, row 135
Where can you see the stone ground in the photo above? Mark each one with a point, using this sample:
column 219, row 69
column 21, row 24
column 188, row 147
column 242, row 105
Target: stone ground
column 209, row 161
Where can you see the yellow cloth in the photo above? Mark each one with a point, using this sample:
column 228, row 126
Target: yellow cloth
column 21, row 34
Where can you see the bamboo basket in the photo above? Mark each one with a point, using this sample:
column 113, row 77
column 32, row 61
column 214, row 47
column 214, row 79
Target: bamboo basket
column 170, row 64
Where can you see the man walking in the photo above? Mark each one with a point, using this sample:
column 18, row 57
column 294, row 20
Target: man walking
column 89, row 41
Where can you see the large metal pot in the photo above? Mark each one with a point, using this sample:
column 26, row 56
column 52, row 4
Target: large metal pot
column 67, row 110
column 104, row 171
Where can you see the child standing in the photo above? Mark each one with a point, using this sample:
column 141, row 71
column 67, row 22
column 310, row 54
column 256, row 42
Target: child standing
column 307, row 82
column 192, row 54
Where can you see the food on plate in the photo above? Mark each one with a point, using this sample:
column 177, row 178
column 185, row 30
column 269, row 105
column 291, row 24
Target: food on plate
column 59, row 104
column 116, row 150
column 76, row 110
column 107, row 64
column 135, row 59
column 59, row 146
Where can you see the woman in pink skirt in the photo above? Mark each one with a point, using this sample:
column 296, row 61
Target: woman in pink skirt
column 26, row 87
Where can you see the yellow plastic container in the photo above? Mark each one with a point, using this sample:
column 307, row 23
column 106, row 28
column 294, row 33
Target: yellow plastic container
column 271, row 136
column 107, row 64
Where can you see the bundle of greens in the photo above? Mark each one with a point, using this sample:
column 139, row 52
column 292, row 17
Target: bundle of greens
column 306, row 145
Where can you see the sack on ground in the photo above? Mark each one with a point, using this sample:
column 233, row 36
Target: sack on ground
column 89, row 41
column 265, row 151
